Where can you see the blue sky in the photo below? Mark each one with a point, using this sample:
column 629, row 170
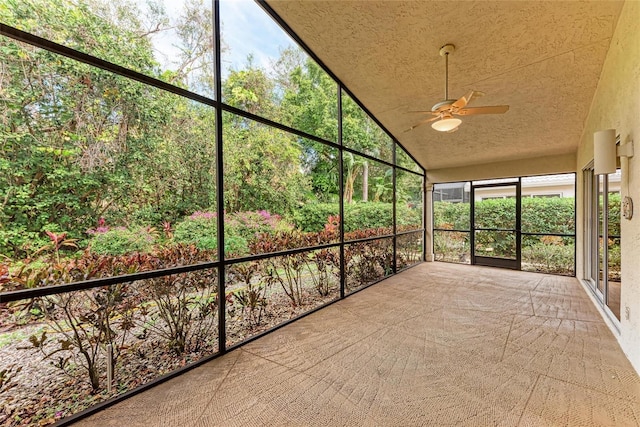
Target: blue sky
column 246, row 29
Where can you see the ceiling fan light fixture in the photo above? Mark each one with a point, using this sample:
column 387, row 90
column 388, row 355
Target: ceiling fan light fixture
column 443, row 112
column 446, row 124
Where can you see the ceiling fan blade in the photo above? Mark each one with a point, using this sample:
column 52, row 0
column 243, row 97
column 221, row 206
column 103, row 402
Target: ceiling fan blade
column 495, row 109
column 423, row 122
column 462, row 102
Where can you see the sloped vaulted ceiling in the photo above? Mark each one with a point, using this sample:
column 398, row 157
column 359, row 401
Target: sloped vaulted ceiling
column 541, row 58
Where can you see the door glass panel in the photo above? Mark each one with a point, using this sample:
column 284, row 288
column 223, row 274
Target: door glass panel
column 500, row 244
column 614, row 276
column 452, row 222
column 591, row 233
column 601, row 248
column 495, row 224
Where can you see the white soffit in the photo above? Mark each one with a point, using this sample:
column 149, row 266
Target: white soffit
column 541, row 58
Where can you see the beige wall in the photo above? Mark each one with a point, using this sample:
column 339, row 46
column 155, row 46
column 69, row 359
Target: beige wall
column 523, row 167
column 616, row 104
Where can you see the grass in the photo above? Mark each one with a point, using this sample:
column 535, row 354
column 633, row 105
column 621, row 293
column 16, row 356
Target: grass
column 9, row 337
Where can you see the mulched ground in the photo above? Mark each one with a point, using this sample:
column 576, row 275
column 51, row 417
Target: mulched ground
column 35, row 392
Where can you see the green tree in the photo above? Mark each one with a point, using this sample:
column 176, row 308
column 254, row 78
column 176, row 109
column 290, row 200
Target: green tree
column 80, row 143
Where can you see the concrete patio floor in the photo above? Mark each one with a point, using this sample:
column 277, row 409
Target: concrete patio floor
column 440, row 344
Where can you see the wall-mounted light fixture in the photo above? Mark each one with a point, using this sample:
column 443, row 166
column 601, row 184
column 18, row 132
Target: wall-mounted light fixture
column 605, row 154
column 606, row 151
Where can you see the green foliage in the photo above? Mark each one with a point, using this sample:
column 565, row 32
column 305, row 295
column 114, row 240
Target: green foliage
column 614, row 213
column 235, row 246
column 408, row 216
column 451, row 246
column 61, row 140
column 409, row 249
column 248, row 225
column 122, row 241
column 451, row 216
column 548, row 215
column 366, row 262
column 546, row 257
column 251, row 293
column 359, row 216
column 250, row 90
column 199, row 229
column 310, row 103
column 93, row 143
column 614, row 255
column 80, row 143
column 495, row 213
column 313, row 216
column 360, row 131
column 539, row 215
column 262, row 169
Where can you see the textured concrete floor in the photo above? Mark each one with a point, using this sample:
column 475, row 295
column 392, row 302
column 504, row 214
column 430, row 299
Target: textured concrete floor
column 440, row 344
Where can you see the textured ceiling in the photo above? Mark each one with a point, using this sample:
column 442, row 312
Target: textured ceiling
column 541, row 58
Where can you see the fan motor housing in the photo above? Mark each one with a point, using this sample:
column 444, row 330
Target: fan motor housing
column 442, row 105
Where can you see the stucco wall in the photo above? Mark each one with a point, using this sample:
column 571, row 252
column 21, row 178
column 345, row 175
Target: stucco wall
column 616, row 104
column 522, row 167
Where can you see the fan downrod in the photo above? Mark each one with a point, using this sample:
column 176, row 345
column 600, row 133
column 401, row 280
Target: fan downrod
column 445, row 51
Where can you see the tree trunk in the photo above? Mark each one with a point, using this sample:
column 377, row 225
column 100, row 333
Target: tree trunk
column 365, row 181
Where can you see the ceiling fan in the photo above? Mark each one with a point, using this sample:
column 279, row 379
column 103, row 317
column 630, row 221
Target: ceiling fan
column 444, row 111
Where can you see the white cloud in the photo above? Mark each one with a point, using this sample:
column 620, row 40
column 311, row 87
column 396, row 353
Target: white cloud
column 247, row 29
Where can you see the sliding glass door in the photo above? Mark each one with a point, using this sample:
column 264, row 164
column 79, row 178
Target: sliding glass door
column 602, row 237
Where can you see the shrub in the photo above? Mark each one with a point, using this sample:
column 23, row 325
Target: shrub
column 614, row 259
column 251, row 294
column 17, row 242
column 614, row 214
column 408, row 217
column 185, row 304
column 241, row 228
column 362, row 216
column 451, row 246
column 548, row 258
column 235, row 246
column 548, row 215
column 359, row 216
column 367, row 261
column 327, row 265
column 85, row 322
column 199, row 229
column 121, row 241
column 539, row 215
column 409, row 249
column 183, row 312
column 451, row 215
column 291, row 271
column 313, row 216
column 248, row 225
